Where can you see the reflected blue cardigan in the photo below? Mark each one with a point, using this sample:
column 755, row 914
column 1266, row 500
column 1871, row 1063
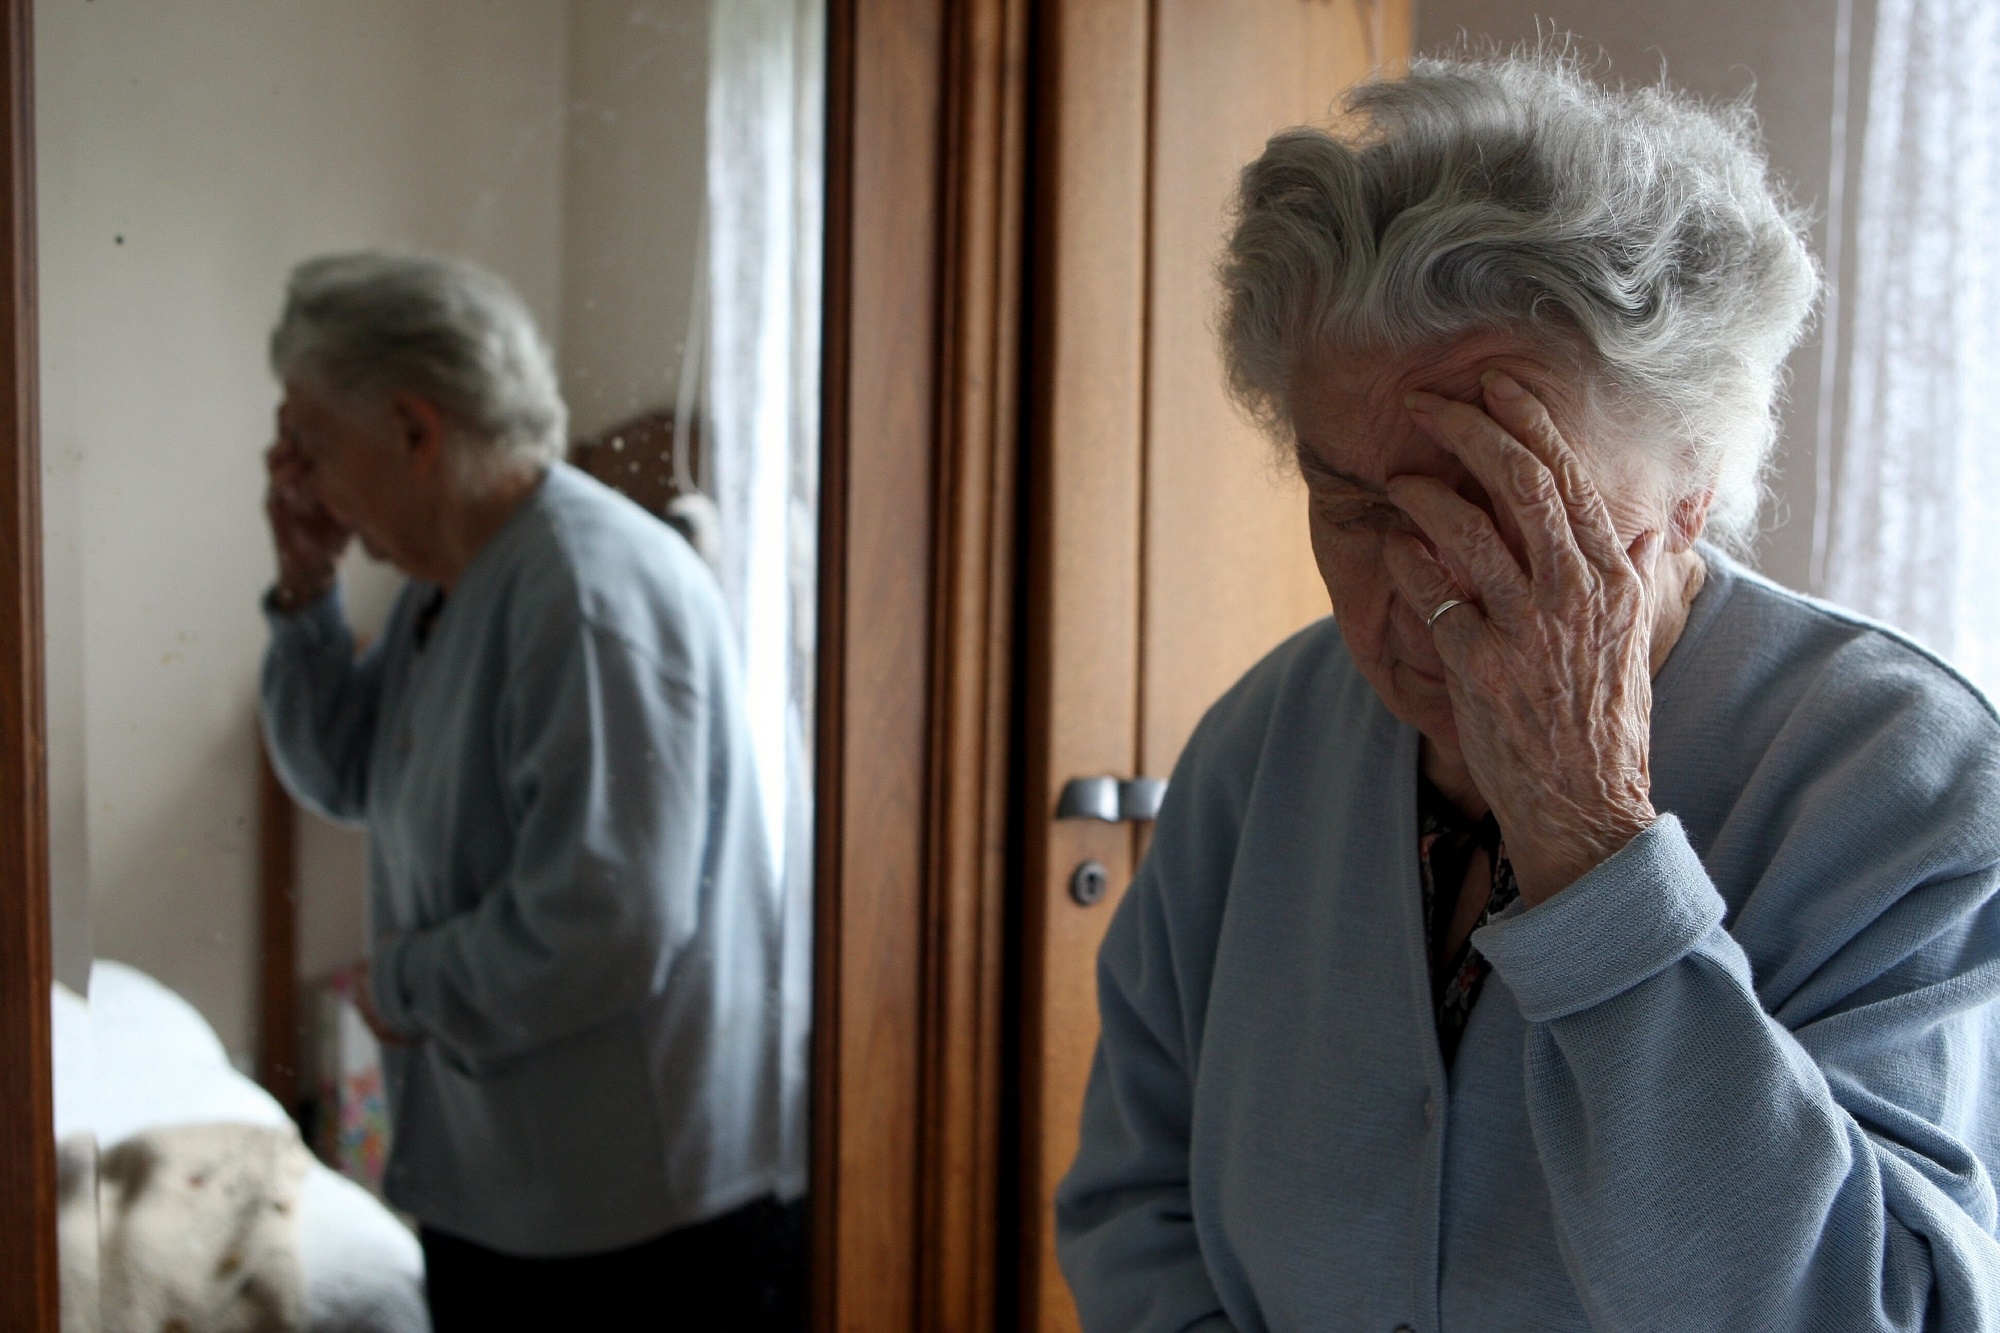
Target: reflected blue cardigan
column 570, row 891
column 1745, row 1075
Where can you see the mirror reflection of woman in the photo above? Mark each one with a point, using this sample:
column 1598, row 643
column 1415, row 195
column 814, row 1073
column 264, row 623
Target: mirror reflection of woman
column 575, row 961
column 1577, row 931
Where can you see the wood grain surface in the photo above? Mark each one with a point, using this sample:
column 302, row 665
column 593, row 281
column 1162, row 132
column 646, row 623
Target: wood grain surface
column 1228, row 569
column 1086, row 511
column 974, row 708
column 28, row 1270
column 886, row 61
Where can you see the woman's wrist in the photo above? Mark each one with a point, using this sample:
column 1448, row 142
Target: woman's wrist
column 1581, row 850
column 299, row 590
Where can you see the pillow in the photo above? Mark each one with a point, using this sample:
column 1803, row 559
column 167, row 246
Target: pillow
column 159, row 1063
column 70, row 1051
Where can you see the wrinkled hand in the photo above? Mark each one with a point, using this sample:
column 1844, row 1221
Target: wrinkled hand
column 309, row 539
column 364, row 999
column 1549, row 665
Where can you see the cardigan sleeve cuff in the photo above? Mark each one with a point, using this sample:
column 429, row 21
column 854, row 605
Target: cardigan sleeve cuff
column 1635, row 915
column 323, row 622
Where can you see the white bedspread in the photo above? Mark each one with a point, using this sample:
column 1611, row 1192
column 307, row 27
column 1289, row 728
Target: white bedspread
column 140, row 1057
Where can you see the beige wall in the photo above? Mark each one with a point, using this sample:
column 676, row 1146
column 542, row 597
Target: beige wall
column 1718, row 48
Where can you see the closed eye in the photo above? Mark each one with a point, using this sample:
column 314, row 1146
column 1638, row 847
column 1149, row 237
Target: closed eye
column 1354, row 510
column 1368, row 518
column 1347, row 502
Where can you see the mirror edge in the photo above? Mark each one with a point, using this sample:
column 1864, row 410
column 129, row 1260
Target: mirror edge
column 29, row 1283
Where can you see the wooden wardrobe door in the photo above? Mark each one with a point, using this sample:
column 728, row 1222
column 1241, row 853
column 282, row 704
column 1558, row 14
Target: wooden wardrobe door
column 1227, row 571
column 1168, row 544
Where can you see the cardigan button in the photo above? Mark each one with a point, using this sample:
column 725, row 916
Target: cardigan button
column 1430, row 1109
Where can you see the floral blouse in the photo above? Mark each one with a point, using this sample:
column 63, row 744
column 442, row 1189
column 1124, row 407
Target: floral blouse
column 1446, row 842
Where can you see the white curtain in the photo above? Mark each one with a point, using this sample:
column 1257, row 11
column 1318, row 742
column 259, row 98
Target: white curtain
column 1914, row 537
column 766, row 114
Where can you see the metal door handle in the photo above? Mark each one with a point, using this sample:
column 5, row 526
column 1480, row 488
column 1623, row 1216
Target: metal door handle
column 1112, row 800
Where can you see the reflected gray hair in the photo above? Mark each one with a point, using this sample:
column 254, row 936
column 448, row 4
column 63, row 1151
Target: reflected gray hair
column 1635, row 228
column 449, row 331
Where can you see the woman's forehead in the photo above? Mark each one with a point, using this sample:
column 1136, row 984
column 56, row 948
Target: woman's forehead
column 1364, row 449
column 1453, row 370
column 309, row 409
column 1349, row 403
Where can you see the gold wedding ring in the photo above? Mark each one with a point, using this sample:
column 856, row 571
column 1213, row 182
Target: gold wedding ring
column 1444, row 606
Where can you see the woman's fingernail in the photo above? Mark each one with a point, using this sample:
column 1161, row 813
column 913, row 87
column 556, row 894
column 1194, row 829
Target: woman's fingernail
column 1501, row 385
column 1415, row 402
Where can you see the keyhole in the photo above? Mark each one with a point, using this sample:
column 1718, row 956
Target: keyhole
column 1088, row 883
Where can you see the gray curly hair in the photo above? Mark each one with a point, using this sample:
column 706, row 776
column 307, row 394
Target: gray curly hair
column 1636, row 228
column 370, row 323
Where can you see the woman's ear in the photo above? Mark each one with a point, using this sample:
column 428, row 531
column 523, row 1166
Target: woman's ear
column 1688, row 521
column 421, row 430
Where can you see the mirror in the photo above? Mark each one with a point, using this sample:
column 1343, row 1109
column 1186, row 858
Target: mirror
column 442, row 890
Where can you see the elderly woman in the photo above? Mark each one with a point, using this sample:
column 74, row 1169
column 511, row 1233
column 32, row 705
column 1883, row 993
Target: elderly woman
column 576, row 954
column 1578, row 931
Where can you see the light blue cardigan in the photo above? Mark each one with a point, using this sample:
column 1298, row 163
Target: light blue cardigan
column 569, row 883
column 1743, row 1076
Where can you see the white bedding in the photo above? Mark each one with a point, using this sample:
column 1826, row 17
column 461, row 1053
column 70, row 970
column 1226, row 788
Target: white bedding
column 140, row 1057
